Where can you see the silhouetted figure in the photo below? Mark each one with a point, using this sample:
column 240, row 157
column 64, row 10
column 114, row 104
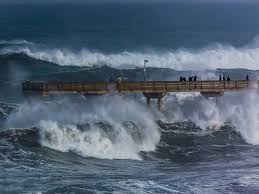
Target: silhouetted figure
column 224, row 78
column 181, row 79
column 195, row 78
column 190, row 79
column 220, row 78
column 184, row 79
column 247, row 78
column 228, row 78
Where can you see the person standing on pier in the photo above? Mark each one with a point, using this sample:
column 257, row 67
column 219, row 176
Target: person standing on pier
column 247, row 78
column 195, row 79
column 220, row 78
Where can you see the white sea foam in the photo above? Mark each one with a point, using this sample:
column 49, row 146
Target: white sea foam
column 241, row 109
column 213, row 57
column 110, row 128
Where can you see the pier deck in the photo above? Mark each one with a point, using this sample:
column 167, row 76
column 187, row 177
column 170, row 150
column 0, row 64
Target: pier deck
column 150, row 89
column 138, row 87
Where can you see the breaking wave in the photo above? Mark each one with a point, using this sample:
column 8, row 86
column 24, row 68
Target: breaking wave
column 212, row 57
column 117, row 128
column 240, row 109
column 108, row 128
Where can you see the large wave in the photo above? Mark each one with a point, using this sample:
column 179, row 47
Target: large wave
column 113, row 127
column 211, row 57
column 110, row 128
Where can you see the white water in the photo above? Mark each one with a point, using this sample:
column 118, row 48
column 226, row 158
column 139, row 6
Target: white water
column 208, row 58
column 241, row 109
column 110, row 128
column 98, row 128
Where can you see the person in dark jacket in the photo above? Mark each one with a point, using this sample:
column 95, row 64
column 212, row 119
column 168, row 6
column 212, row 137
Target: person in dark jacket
column 247, row 78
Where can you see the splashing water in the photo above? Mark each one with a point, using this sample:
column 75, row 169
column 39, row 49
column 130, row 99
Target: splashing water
column 241, row 109
column 110, row 128
column 113, row 127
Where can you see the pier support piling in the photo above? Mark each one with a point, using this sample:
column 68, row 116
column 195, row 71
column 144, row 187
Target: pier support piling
column 158, row 96
column 149, row 102
column 159, row 103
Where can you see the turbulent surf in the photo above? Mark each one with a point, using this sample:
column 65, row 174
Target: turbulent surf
column 76, row 143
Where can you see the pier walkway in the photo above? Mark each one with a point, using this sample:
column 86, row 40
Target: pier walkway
column 150, row 89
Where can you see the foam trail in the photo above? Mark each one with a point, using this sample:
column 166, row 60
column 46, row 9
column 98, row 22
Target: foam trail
column 105, row 128
column 182, row 59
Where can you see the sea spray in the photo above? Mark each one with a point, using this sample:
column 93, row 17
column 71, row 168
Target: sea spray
column 244, row 114
column 241, row 109
column 106, row 127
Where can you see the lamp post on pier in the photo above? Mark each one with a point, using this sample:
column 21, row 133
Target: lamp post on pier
column 145, row 61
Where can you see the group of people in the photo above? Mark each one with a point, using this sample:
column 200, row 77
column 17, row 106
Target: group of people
column 224, row 78
column 190, row 79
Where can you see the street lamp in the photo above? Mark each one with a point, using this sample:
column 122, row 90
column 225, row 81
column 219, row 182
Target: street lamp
column 145, row 61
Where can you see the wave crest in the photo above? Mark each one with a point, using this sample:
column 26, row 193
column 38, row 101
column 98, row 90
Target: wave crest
column 213, row 57
column 110, row 128
column 118, row 142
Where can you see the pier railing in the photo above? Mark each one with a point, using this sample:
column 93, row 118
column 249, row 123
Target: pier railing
column 175, row 86
column 139, row 87
column 86, row 87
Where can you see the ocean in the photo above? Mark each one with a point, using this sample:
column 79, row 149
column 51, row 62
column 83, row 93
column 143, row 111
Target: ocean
column 114, row 143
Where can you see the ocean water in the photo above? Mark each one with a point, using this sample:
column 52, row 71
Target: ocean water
column 115, row 144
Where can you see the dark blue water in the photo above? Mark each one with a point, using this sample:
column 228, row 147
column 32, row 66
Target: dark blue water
column 114, row 144
column 113, row 27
